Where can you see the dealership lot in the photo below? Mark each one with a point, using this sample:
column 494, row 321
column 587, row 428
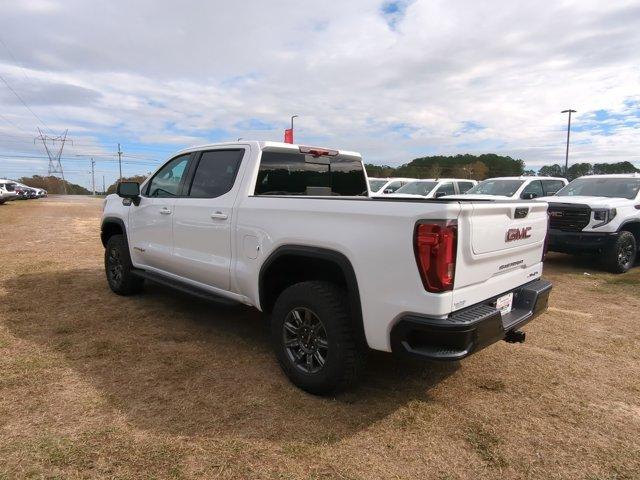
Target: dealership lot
column 164, row 385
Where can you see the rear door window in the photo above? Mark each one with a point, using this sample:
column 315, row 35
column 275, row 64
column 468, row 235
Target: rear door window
column 284, row 173
column 535, row 188
column 215, row 173
column 445, row 189
column 551, row 187
column 464, row 186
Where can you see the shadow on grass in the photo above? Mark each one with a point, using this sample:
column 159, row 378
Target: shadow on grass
column 173, row 363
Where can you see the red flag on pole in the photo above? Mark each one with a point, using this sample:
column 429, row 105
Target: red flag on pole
column 288, row 135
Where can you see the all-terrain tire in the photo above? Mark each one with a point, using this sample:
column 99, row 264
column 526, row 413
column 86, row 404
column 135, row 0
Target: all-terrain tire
column 344, row 357
column 118, row 267
column 621, row 255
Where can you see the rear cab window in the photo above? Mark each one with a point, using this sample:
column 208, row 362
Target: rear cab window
column 303, row 174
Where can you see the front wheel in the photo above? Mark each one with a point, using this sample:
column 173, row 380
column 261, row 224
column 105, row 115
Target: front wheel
column 118, row 267
column 621, row 255
column 313, row 337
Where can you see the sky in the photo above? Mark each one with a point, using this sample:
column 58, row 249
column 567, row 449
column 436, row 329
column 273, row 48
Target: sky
column 394, row 80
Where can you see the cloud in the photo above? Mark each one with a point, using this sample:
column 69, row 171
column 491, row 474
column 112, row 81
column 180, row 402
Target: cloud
column 392, row 79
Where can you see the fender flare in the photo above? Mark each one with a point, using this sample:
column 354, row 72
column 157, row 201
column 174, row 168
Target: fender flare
column 333, row 256
column 111, row 220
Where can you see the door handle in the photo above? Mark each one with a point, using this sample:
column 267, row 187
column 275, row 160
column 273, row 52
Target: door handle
column 165, row 211
column 219, row 215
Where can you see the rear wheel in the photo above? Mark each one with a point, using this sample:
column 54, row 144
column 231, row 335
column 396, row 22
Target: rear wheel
column 118, row 267
column 313, row 338
column 621, row 255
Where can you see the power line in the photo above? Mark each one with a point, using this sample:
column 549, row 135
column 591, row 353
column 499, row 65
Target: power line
column 24, row 103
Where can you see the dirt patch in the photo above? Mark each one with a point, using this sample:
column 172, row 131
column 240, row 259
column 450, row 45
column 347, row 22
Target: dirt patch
column 162, row 385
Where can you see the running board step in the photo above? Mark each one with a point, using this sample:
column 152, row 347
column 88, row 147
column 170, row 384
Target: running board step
column 183, row 287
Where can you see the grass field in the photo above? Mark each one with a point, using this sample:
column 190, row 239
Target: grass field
column 162, row 385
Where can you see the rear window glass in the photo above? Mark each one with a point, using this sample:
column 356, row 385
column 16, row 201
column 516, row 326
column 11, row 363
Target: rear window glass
column 497, row 187
column 418, row 188
column 300, row 174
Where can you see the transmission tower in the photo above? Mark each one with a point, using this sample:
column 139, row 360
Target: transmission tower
column 55, row 167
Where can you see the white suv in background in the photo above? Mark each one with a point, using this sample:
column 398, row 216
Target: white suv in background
column 434, row 188
column 517, row 188
column 598, row 215
column 383, row 186
column 7, row 191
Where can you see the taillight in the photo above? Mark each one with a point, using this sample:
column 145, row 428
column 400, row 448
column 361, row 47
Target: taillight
column 435, row 245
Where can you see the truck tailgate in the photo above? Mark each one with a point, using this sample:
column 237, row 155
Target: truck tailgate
column 500, row 246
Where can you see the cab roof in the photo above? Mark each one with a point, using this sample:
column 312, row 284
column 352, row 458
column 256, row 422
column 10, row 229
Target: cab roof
column 267, row 145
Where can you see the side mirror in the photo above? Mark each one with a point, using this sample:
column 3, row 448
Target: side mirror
column 388, row 190
column 440, row 194
column 130, row 190
column 528, row 196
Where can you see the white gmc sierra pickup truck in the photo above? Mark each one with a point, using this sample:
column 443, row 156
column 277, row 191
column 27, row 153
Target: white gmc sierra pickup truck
column 292, row 231
column 598, row 215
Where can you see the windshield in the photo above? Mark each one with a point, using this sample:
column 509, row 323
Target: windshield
column 375, row 185
column 602, row 187
column 417, row 188
column 497, row 187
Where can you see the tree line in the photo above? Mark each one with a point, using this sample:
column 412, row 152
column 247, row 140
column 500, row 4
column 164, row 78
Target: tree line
column 53, row 185
column 476, row 167
column 489, row 165
column 580, row 169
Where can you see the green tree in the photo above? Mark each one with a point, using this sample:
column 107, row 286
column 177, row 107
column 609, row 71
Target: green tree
column 554, row 170
column 579, row 170
column 619, row 167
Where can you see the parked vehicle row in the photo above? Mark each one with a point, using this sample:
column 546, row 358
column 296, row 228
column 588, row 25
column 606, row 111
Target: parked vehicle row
column 10, row 190
column 597, row 214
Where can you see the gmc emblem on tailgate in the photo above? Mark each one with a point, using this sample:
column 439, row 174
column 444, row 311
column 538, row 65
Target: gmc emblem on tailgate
column 517, row 234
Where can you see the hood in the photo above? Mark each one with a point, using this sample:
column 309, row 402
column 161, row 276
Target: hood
column 594, row 202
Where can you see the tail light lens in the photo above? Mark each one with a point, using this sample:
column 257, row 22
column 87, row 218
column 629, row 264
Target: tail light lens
column 435, row 245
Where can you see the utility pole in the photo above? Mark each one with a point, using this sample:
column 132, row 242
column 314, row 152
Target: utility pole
column 93, row 177
column 566, row 157
column 120, row 161
column 104, row 189
column 54, row 157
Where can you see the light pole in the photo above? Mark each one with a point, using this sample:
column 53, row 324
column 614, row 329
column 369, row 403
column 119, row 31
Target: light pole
column 292, row 117
column 566, row 157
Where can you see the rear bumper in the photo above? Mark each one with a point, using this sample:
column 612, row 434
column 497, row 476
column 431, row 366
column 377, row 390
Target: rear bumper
column 469, row 330
column 577, row 242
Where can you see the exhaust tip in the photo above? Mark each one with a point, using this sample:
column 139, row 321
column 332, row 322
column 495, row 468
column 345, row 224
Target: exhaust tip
column 515, row 336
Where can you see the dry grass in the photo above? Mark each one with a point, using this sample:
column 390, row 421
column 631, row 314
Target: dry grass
column 164, row 386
